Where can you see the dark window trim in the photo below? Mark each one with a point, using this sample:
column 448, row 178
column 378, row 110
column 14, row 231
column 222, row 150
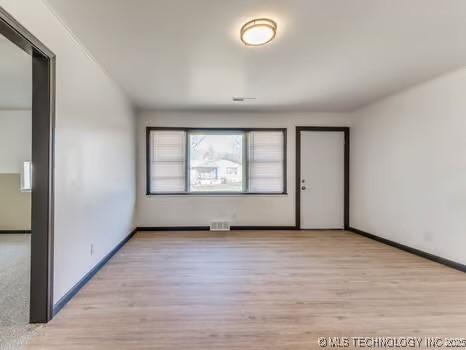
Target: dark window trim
column 43, row 126
column 149, row 129
column 346, row 131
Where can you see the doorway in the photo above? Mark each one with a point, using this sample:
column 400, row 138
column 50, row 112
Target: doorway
column 41, row 163
column 15, row 192
column 322, row 178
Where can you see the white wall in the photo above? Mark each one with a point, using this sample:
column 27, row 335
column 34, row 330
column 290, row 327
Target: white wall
column 408, row 167
column 15, row 140
column 197, row 210
column 95, row 151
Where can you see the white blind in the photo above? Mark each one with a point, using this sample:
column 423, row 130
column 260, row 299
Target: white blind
column 266, row 160
column 168, row 152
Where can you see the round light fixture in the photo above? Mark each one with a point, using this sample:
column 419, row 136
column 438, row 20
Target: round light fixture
column 258, row 32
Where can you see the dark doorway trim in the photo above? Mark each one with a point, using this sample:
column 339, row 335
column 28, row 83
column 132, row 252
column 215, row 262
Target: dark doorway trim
column 43, row 119
column 346, row 131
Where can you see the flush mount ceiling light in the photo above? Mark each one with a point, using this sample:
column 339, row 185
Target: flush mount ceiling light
column 258, row 32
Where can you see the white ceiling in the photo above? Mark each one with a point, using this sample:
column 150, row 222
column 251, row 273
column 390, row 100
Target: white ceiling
column 15, row 77
column 329, row 55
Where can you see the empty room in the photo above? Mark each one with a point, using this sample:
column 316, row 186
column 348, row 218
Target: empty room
column 282, row 174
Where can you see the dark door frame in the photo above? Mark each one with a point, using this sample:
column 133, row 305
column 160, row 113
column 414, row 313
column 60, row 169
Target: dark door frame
column 43, row 120
column 346, row 131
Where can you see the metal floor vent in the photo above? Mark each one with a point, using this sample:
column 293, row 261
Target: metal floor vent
column 220, row 226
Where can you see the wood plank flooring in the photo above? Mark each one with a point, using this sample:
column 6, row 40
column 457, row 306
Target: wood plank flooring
column 250, row 290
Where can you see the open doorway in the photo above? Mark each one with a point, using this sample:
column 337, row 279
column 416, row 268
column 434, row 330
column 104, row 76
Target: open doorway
column 26, row 175
column 15, row 190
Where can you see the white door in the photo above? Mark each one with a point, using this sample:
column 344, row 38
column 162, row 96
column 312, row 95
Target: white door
column 322, row 179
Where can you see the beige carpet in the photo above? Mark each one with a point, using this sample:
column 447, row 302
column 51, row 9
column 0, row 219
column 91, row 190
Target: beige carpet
column 15, row 331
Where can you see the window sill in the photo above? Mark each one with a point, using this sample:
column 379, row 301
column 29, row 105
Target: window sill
column 217, row 194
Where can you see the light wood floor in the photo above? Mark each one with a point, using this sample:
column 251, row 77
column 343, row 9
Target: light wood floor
column 257, row 290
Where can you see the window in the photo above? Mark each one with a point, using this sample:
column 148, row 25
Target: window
column 266, row 158
column 212, row 158
column 216, row 161
column 168, row 161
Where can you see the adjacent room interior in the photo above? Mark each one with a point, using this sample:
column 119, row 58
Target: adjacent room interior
column 233, row 174
column 15, row 191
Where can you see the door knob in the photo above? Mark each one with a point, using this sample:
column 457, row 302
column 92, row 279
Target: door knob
column 303, row 187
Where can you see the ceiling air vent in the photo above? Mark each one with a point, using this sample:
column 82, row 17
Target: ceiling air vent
column 242, row 99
